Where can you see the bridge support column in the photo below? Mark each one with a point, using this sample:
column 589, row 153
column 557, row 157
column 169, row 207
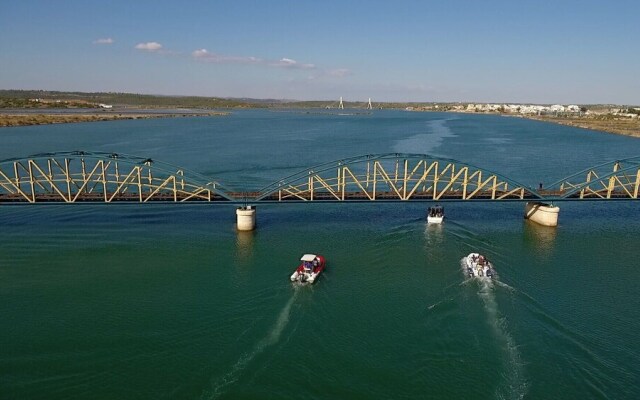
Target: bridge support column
column 541, row 213
column 246, row 218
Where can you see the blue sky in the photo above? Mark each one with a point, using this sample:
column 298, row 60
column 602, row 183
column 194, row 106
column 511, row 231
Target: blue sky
column 476, row 51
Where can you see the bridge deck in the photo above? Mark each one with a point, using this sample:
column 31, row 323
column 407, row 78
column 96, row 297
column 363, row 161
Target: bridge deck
column 250, row 197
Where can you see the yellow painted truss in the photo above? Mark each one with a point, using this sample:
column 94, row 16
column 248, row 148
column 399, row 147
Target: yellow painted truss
column 397, row 178
column 80, row 177
column 101, row 177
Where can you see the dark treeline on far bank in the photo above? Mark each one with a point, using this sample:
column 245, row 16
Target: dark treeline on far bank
column 59, row 99
column 56, row 99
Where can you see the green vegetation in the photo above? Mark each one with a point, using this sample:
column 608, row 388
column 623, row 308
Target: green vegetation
column 43, row 119
column 50, row 99
column 33, row 103
column 55, row 99
column 633, row 110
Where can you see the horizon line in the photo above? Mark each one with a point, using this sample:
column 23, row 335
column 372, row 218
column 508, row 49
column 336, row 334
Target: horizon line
column 313, row 100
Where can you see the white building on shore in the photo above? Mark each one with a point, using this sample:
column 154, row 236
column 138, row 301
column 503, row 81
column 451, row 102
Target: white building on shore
column 523, row 108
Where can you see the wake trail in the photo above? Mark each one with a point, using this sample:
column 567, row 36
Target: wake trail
column 516, row 384
column 447, row 297
column 436, row 132
column 271, row 338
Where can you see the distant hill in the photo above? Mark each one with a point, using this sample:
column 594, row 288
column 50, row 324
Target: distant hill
column 58, row 99
column 132, row 99
column 20, row 99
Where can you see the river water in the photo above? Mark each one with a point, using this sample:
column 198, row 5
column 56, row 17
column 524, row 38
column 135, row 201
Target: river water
column 168, row 301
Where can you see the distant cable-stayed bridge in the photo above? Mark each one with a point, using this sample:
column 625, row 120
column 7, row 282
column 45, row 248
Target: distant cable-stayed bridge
column 340, row 105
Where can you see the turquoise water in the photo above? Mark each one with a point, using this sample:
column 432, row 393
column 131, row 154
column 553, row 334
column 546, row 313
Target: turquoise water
column 168, row 301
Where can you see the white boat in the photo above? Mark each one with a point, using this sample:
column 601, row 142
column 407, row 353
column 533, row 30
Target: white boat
column 478, row 266
column 312, row 265
column 435, row 215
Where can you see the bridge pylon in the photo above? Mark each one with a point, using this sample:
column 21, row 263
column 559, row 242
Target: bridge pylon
column 542, row 213
column 246, row 218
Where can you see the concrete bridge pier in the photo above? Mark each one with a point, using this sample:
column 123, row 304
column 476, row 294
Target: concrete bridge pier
column 542, row 213
column 246, row 218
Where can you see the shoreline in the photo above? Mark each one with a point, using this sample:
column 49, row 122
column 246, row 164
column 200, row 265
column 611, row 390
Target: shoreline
column 28, row 117
column 16, row 118
column 613, row 125
column 625, row 127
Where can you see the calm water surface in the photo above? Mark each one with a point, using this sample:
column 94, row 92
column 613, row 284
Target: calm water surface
column 168, row 301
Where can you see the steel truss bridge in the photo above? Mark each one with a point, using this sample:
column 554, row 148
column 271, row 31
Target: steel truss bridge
column 75, row 177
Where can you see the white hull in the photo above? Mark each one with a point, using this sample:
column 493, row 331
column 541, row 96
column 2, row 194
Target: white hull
column 474, row 270
column 435, row 220
column 304, row 277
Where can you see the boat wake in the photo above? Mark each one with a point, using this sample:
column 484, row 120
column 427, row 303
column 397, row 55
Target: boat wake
column 426, row 142
column 447, row 298
column 273, row 336
column 515, row 384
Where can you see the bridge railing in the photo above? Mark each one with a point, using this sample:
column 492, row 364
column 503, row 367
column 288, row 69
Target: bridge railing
column 107, row 177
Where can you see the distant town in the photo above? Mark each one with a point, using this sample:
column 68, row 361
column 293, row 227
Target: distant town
column 623, row 120
column 534, row 109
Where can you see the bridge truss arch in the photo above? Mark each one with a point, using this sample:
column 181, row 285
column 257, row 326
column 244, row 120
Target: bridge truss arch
column 618, row 179
column 81, row 176
column 395, row 177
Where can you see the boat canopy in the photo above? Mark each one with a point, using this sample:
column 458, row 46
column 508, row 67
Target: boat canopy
column 308, row 257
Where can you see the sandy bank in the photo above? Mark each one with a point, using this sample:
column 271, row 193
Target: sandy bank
column 621, row 126
column 19, row 119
